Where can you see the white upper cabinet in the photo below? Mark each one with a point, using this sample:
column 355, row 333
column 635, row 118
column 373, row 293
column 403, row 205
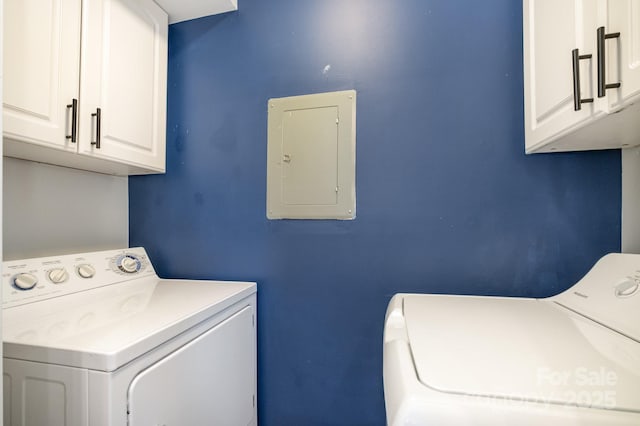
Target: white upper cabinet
column 552, row 30
column 41, row 70
column 622, row 53
column 110, row 56
column 581, row 79
column 123, row 82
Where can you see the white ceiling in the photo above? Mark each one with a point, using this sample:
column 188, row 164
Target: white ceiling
column 183, row 10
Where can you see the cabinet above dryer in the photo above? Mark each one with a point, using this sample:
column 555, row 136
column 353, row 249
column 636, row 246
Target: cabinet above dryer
column 581, row 79
column 85, row 84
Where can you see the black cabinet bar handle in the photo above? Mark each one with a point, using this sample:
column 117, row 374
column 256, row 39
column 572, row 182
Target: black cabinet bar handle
column 577, row 99
column 602, row 80
column 74, row 120
column 97, row 116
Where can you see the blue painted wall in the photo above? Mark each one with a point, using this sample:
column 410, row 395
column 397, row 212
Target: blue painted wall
column 447, row 201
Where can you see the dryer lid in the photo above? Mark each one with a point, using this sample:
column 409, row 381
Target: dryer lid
column 522, row 349
column 105, row 328
column 609, row 294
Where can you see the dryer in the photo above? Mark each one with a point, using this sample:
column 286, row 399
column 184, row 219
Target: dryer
column 97, row 339
column 572, row 359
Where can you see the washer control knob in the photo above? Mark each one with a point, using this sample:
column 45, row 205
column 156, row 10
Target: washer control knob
column 58, row 275
column 627, row 288
column 129, row 264
column 86, row 271
column 25, row 281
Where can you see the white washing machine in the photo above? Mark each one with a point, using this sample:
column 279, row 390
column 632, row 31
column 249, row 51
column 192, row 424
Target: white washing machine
column 572, row 359
column 98, row 339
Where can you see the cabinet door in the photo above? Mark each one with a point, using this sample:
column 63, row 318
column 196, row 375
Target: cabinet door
column 124, row 73
column 623, row 53
column 41, row 67
column 552, row 29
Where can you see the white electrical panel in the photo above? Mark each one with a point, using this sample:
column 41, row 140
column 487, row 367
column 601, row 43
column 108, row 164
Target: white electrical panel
column 311, row 156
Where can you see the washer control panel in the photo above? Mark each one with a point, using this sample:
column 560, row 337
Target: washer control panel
column 609, row 294
column 32, row 280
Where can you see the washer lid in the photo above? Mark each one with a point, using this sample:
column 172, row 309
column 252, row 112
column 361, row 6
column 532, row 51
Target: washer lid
column 104, row 328
column 523, row 349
